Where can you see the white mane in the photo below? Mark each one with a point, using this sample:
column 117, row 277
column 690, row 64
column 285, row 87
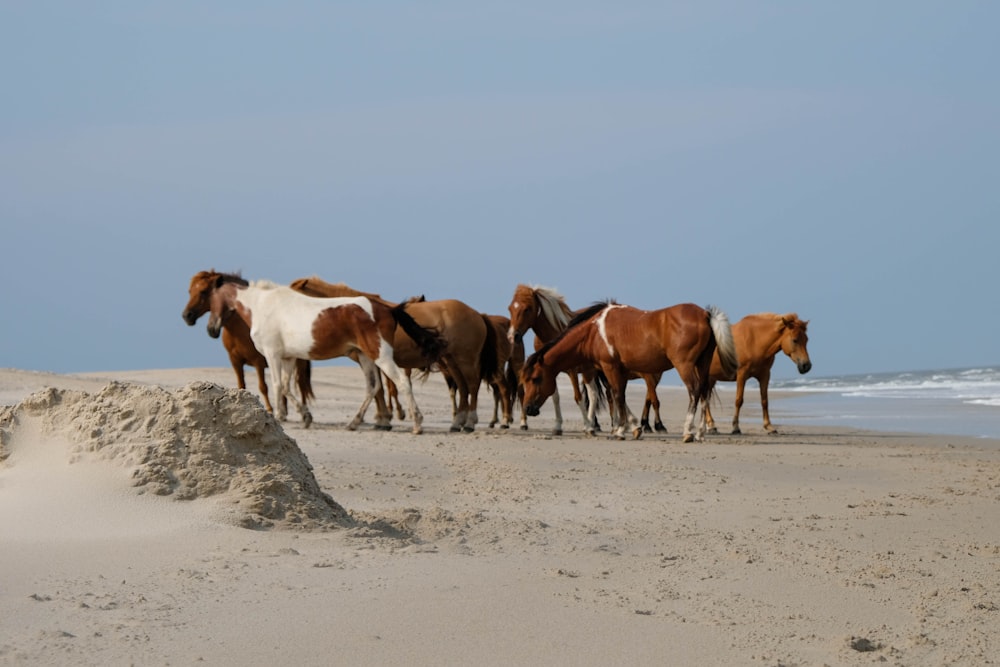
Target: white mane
column 553, row 306
column 264, row 284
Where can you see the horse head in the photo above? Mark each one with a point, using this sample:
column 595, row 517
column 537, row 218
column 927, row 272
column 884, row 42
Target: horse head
column 523, row 311
column 202, row 284
column 794, row 341
column 539, row 382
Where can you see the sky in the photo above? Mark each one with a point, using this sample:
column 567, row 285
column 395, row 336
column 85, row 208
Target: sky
column 840, row 160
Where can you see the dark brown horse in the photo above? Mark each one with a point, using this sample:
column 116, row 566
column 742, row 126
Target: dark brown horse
column 470, row 352
column 620, row 340
column 286, row 325
column 758, row 340
column 236, row 340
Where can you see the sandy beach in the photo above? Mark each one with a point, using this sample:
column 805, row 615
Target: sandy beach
column 161, row 517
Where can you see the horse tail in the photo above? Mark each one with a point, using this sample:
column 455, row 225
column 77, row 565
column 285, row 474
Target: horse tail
column 723, row 332
column 430, row 342
column 489, row 360
column 303, row 375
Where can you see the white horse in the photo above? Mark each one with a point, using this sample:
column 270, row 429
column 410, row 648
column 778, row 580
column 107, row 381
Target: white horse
column 286, row 325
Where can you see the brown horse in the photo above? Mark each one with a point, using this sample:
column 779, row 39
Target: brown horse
column 620, row 340
column 470, row 352
column 758, row 340
column 504, row 383
column 544, row 311
column 236, row 340
column 286, row 325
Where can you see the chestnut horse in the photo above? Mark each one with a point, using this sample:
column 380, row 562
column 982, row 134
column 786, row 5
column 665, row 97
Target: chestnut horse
column 544, row 311
column 620, row 340
column 758, row 340
column 286, row 325
column 236, row 340
column 469, row 356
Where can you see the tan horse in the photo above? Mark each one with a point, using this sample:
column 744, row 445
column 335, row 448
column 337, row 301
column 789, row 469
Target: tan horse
column 470, row 354
column 238, row 344
column 621, row 340
column 758, row 340
column 543, row 310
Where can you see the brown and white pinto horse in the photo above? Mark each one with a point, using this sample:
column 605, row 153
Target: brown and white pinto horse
column 758, row 340
column 543, row 310
column 286, row 325
column 470, row 351
column 236, row 340
column 620, row 340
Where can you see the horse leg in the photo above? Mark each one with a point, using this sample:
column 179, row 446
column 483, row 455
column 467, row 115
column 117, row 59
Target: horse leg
column 557, row 429
column 741, row 381
column 474, row 383
column 591, row 417
column 710, row 426
column 763, row 379
column 403, row 384
column 283, row 381
column 495, row 392
column 372, row 382
column 687, row 374
column 393, row 393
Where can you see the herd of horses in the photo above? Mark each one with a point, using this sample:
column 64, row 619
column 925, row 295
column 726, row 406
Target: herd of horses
column 283, row 328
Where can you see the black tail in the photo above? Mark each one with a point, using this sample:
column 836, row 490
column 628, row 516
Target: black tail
column 488, row 361
column 430, row 342
column 303, row 375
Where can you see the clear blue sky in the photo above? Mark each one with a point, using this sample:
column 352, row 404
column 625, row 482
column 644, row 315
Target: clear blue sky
column 838, row 159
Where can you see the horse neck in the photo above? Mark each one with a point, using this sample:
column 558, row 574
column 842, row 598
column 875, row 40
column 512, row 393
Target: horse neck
column 570, row 350
column 764, row 330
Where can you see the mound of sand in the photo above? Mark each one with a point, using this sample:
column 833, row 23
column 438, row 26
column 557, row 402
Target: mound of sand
column 196, row 442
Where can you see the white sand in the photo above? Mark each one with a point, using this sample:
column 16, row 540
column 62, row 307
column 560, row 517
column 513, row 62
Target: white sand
column 123, row 512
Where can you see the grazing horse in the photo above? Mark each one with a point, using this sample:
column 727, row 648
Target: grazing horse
column 469, row 355
column 758, row 340
column 236, row 340
column 620, row 340
column 287, row 325
column 544, row 311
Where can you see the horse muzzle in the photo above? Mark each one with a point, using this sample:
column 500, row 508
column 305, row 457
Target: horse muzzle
column 532, row 409
column 805, row 367
column 189, row 317
column 214, row 326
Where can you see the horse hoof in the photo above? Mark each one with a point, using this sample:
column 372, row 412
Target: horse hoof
column 417, row 430
column 713, row 431
column 636, row 434
column 688, row 438
column 736, row 431
column 524, row 427
column 468, row 429
column 773, row 431
column 505, row 426
column 646, row 428
column 455, row 429
column 557, row 431
column 660, row 428
column 307, row 420
column 383, row 427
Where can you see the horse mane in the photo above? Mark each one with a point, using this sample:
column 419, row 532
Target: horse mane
column 233, row 277
column 579, row 319
column 265, row 284
column 553, row 306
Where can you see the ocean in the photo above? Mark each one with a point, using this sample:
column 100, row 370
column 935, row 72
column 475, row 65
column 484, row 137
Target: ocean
column 963, row 401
